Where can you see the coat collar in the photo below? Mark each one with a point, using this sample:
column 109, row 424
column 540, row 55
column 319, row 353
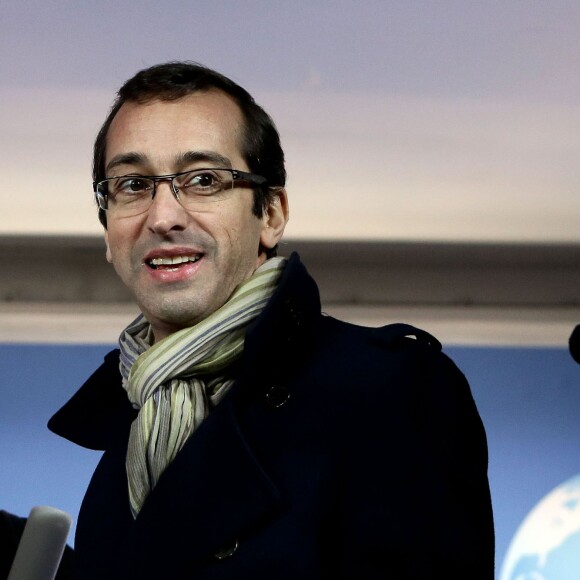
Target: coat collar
column 283, row 330
column 99, row 415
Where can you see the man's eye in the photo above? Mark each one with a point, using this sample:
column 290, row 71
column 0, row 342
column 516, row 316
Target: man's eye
column 202, row 180
column 131, row 186
column 206, row 181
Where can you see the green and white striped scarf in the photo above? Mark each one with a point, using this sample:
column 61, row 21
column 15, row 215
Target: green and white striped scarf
column 176, row 381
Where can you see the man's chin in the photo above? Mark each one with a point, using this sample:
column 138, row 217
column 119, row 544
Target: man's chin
column 170, row 314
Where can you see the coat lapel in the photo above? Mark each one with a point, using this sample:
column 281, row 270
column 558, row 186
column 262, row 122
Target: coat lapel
column 212, row 492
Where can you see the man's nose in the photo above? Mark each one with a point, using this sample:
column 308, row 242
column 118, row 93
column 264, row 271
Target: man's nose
column 166, row 213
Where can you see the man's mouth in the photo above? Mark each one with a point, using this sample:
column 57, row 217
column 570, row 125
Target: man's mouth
column 171, row 262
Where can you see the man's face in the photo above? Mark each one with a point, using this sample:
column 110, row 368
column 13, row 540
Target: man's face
column 221, row 241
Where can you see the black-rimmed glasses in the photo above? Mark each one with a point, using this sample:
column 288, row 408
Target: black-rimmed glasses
column 130, row 195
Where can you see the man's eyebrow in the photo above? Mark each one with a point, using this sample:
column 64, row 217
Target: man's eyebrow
column 125, row 159
column 211, row 157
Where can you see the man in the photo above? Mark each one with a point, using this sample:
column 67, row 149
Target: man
column 245, row 434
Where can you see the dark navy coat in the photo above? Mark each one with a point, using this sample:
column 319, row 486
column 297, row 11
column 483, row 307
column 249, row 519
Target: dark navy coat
column 340, row 452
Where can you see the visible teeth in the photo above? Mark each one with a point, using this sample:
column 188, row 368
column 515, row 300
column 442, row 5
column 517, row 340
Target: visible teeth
column 170, row 261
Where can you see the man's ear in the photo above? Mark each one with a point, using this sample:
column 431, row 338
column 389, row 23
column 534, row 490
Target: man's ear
column 274, row 219
column 108, row 253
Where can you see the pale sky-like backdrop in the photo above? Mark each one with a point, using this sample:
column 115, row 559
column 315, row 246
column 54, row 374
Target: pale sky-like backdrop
column 453, row 120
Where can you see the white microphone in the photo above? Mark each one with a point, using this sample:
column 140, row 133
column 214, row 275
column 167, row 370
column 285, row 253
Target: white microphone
column 41, row 545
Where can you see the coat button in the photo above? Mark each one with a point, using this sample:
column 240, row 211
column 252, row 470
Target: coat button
column 277, row 396
column 227, row 551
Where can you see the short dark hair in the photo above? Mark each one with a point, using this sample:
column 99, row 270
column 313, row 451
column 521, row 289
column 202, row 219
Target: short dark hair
column 171, row 81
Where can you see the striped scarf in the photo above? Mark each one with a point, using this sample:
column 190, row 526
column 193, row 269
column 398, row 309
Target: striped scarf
column 179, row 379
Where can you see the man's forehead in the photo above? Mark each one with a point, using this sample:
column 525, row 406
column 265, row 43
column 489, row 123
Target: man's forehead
column 210, row 119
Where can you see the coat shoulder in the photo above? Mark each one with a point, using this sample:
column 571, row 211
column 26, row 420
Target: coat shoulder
column 389, row 343
column 396, row 334
column 397, row 364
